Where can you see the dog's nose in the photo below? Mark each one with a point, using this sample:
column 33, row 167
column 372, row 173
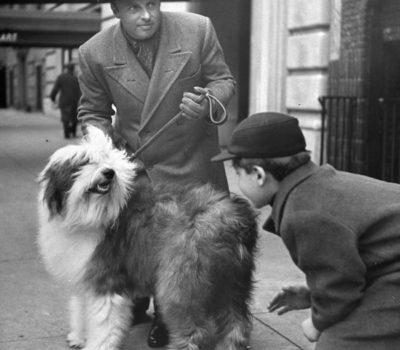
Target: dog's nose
column 108, row 173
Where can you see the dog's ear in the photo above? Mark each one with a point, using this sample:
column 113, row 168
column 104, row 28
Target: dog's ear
column 54, row 194
column 58, row 181
column 54, row 198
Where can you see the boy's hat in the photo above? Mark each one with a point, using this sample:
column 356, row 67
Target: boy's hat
column 264, row 135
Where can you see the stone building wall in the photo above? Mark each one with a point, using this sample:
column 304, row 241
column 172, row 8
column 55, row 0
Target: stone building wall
column 308, row 50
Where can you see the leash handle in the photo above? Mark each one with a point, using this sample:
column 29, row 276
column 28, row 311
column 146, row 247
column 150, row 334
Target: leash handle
column 178, row 116
column 210, row 110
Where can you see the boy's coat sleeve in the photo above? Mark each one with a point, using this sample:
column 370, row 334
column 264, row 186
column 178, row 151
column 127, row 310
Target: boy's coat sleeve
column 327, row 252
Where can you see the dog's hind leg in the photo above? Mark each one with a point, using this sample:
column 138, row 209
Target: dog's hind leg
column 237, row 336
column 108, row 320
column 183, row 337
column 235, row 326
column 76, row 336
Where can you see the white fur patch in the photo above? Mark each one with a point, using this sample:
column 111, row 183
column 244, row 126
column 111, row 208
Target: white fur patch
column 108, row 318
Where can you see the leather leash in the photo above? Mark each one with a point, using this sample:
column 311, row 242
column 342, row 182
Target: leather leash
column 178, row 116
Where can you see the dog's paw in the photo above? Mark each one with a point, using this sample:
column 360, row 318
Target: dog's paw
column 75, row 341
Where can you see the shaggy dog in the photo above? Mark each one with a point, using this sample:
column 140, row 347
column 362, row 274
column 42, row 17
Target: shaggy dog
column 112, row 236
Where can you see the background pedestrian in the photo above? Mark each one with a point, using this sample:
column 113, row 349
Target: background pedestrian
column 67, row 86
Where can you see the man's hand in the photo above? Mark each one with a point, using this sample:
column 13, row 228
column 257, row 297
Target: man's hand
column 310, row 332
column 195, row 106
column 290, row 298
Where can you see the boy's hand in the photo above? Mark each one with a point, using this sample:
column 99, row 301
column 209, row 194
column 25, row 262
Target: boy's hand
column 195, row 106
column 290, row 298
column 310, row 332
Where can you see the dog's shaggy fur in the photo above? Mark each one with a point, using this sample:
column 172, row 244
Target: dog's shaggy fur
column 112, row 236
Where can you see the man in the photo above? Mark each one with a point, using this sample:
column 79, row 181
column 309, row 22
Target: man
column 150, row 66
column 68, row 87
column 147, row 66
column 341, row 229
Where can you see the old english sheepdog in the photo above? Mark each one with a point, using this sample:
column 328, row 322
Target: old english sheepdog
column 111, row 235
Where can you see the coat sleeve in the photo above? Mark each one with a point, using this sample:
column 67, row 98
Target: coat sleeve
column 215, row 72
column 327, row 252
column 95, row 107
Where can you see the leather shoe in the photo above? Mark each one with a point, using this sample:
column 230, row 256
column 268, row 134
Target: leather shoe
column 158, row 335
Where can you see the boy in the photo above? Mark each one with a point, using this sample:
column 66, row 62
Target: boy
column 342, row 230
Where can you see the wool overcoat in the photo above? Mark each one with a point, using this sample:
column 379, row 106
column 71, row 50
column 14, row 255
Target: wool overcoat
column 189, row 55
column 343, row 231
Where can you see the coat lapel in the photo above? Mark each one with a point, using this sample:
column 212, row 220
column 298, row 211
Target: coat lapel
column 126, row 69
column 169, row 63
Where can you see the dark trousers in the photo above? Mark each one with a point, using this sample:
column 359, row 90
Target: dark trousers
column 69, row 129
column 69, row 120
column 141, row 305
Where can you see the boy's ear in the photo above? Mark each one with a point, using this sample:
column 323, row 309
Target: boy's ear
column 114, row 9
column 261, row 175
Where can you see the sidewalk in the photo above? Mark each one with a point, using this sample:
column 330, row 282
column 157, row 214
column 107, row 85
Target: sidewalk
column 33, row 307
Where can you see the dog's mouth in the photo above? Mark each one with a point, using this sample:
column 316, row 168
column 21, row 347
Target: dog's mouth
column 101, row 188
column 103, row 185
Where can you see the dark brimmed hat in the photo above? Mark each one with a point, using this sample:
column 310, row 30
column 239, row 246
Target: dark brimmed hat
column 264, row 135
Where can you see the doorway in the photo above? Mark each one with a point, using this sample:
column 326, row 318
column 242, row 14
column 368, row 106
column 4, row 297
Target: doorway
column 39, row 89
column 3, row 87
column 11, row 86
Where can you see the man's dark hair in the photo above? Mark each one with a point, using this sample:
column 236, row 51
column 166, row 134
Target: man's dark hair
column 279, row 168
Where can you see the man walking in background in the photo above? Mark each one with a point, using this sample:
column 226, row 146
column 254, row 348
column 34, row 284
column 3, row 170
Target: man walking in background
column 67, row 87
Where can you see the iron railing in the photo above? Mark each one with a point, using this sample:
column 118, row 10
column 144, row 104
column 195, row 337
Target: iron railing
column 390, row 129
column 339, row 135
column 360, row 134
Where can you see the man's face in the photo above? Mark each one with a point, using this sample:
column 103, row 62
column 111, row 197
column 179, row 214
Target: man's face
column 140, row 18
column 258, row 186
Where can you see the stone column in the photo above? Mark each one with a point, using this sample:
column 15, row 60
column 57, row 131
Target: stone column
column 268, row 56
